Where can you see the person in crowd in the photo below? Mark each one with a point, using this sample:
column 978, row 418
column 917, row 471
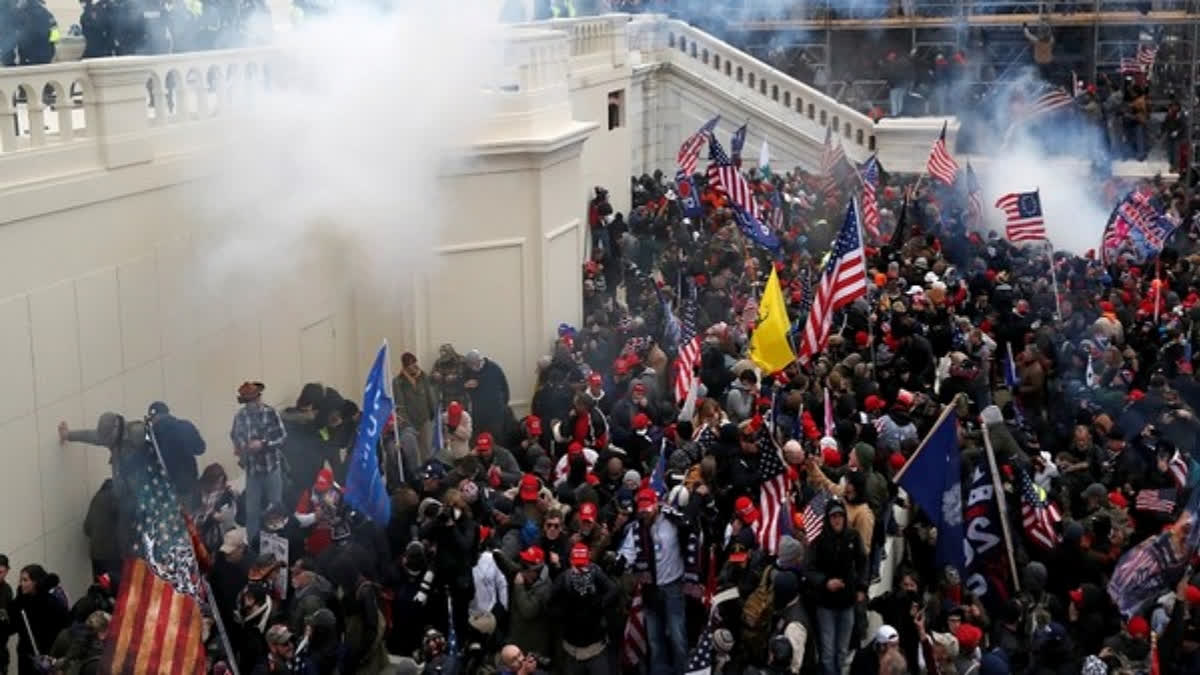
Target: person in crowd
column 179, row 443
column 320, row 508
column 258, row 437
column 309, row 446
column 416, row 401
column 40, row 612
column 488, row 390
column 837, row 573
column 457, row 427
column 100, row 527
column 8, row 624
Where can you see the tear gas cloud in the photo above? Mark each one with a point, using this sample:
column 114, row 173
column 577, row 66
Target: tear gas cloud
column 1056, row 160
column 337, row 162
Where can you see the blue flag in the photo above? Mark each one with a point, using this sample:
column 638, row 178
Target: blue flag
column 365, row 489
column 756, row 231
column 658, row 477
column 987, row 573
column 1155, row 566
column 736, row 143
column 933, row 481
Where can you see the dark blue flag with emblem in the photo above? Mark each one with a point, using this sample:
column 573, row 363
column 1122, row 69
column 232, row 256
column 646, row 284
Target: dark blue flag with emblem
column 689, row 199
column 736, row 143
column 931, row 479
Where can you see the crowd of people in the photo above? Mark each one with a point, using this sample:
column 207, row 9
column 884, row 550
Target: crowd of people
column 620, row 527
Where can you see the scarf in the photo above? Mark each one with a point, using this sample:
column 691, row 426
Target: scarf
column 644, row 568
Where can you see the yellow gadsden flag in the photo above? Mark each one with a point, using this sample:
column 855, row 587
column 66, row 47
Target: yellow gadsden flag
column 769, row 348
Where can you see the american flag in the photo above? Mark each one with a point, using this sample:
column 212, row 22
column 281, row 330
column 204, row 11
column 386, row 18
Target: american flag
column 1156, row 501
column 1142, row 62
column 832, row 157
column 700, row 659
column 941, row 165
column 156, row 625
column 814, row 515
column 729, row 179
column 870, row 200
column 974, row 201
column 689, row 346
column 1037, row 515
column 1178, row 468
column 689, row 152
column 633, row 643
column 1045, row 101
column 843, row 281
column 773, row 502
column 1023, row 214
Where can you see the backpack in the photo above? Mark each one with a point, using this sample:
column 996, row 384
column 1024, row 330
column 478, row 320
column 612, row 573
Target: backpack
column 756, row 617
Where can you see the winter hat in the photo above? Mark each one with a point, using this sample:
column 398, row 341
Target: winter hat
column 969, row 636
column 831, row 457
column 835, row 506
column 1096, row 490
column 991, row 415
column 791, row 552
column 454, row 413
column 1193, row 595
column 896, row 461
column 633, row 477
column 723, row 640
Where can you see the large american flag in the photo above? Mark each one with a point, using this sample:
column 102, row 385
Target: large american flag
column 1023, row 216
column 814, row 515
column 689, row 152
column 773, row 502
column 974, row 200
column 634, row 642
column 843, row 281
column 870, row 204
column 941, row 165
column 1143, row 62
column 1156, row 501
column 724, row 175
column 689, row 345
column 156, row 623
column 1038, row 516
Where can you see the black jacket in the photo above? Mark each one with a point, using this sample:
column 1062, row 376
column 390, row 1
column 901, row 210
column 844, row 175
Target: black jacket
column 47, row 616
column 838, row 555
column 582, row 598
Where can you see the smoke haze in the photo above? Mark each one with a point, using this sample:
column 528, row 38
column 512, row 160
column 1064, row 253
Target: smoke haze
column 340, row 164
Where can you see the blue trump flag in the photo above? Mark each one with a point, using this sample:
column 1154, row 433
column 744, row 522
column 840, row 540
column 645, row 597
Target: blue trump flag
column 365, row 489
column 932, row 479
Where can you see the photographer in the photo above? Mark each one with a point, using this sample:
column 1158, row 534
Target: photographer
column 454, row 536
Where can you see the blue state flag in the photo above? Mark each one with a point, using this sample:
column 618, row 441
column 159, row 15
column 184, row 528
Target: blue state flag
column 365, row 489
column 736, row 143
column 689, row 199
column 754, row 230
column 932, row 479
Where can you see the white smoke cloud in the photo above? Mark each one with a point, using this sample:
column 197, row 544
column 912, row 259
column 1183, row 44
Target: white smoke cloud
column 341, row 162
column 1072, row 203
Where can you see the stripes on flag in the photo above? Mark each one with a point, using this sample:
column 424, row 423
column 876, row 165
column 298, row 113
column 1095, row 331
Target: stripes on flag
column 814, row 515
column 726, row 177
column 155, row 629
column 843, row 281
column 1046, row 101
column 870, row 199
column 1156, row 501
column 773, row 500
column 634, row 647
column 941, row 165
column 832, row 157
column 1023, row 216
column 689, row 152
column 690, row 344
column 1038, row 516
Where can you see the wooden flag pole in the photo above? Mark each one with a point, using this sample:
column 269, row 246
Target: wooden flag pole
column 1000, row 500
column 941, row 418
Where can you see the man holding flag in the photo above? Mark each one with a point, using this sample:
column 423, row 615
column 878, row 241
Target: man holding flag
column 365, row 488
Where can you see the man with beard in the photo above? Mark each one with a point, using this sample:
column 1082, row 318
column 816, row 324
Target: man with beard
column 320, row 508
column 496, row 465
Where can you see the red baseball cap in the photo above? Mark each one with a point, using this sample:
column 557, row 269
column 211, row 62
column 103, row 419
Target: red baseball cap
column 575, row 448
column 579, row 555
column 1117, row 499
column 324, row 480
column 530, row 485
column 1076, row 596
column 533, row 424
column 641, row 421
column 483, row 443
column 647, row 499
column 594, row 380
column 587, row 512
column 745, row 510
column 534, row 555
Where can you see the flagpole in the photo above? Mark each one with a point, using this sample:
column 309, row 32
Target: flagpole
column 1012, row 561
column 1050, row 255
column 387, row 367
column 941, row 418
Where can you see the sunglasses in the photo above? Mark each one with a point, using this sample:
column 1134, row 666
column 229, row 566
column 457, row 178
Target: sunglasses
column 553, row 526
